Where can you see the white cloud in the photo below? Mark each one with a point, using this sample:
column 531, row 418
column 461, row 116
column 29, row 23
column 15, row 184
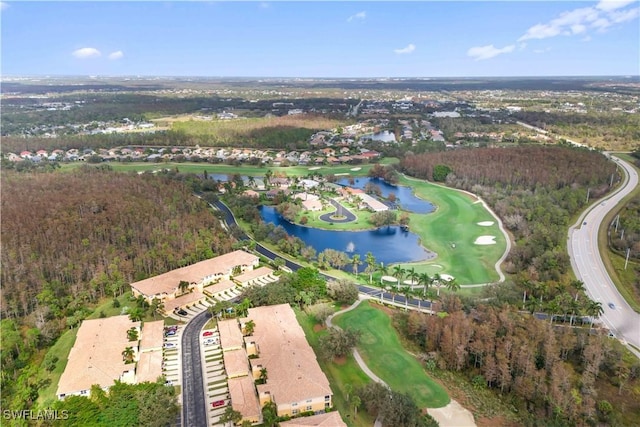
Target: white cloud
column 4, row 5
column 116, row 55
column 86, row 52
column 360, row 15
column 408, row 49
column 542, row 50
column 579, row 21
column 485, row 52
column 608, row 5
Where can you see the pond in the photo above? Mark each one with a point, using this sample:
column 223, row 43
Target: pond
column 404, row 195
column 387, row 244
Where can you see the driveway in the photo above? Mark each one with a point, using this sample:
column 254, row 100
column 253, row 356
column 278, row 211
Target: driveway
column 348, row 215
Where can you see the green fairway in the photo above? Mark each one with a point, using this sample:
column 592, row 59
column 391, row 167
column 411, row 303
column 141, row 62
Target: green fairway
column 199, row 168
column 382, row 352
column 341, row 376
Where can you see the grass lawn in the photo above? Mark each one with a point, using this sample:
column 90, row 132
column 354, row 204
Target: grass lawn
column 62, row 347
column 199, row 168
column 339, row 375
column 383, row 353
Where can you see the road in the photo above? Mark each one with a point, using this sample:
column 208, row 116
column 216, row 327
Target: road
column 589, row 267
column 346, row 213
column 194, row 405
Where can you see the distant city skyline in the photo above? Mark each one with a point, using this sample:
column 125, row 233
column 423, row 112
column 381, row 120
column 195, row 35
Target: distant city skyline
column 321, row 39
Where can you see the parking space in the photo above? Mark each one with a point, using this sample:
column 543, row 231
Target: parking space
column 215, row 377
column 171, row 368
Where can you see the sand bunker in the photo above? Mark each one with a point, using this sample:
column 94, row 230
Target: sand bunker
column 388, row 279
column 355, row 169
column 485, row 223
column 485, row 240
column 446, row 277
column 340, row 174
column 315, row 168
column 452, row 415
column 410, row 282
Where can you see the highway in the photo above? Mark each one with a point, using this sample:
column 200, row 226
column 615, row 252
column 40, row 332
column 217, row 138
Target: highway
column 588, row 266
column 194, row 405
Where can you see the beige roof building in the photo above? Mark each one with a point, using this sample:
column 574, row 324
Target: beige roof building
column 182, row 300
column 96, row 356
column 244, row 399
column 230, row 335
column 152, row 335
column 149, row 366
column 329, row 419
column 250, row 276
column 295, row 381
column 236, row 363
column 167, row 285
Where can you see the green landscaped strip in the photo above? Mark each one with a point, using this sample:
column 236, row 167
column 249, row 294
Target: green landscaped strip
column 61, row 349
column 339, row 376
column 383, row 353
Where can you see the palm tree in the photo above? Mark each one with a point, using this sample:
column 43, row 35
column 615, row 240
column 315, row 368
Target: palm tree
column 594, row 310
column 249, row 327
column 356, row 402
column 407, row 292
column 453, row 285
column 263, row 376
column 578, row 285
column 398, row 273
column 355, row 262
column 394, row 290
column 425, row 281
column 128, row 355
column 132, row 334
column 412, row 275
column 183, row 285
column 371, row 265
column 437, row 279
column 384, row 270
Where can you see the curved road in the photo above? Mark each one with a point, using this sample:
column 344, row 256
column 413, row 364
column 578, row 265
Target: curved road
column 348, row 215
column 587, row 263
column 194, row 405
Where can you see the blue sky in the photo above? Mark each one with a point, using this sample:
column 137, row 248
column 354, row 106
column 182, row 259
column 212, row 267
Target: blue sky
column 321, row 39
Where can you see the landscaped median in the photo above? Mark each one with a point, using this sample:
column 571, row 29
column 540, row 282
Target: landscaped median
column 383, row 353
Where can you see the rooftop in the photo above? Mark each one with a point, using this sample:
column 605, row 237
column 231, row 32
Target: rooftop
column 149, row 366
column 168, row 282
column 152, row 335
column 191, row 297
column 294, row 372
column 221, row 286
column 253, row 274
column 243, row 397
column 96, row 356
column 236, row 363
column 230, row 334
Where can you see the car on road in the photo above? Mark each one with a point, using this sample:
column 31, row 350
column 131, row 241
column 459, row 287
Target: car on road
column 207, row 333
column 612, row 306
column 181, row 312
column 217, row 403
column 584, row 223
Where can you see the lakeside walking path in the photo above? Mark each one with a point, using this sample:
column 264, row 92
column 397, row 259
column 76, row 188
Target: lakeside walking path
column 452, row 415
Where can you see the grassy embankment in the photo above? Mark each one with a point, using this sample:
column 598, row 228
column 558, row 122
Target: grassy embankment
column 383, row 353
column 613, row 261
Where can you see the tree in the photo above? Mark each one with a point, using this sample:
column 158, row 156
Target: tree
column 355, row 262
column 128, row 355
column 440, row 173
column 183, row 286
column 356, row 402
column 398, row 273
column 157, row 307
column 136, row 314
column 384, row 270
column 338, row 342
column 230, row 416
column 132, row 334
column 371, row 265
column 342, row 291
column 425, row 281
column 270, row 414
column 249, row 327
column 453, row 285
column 594, row 310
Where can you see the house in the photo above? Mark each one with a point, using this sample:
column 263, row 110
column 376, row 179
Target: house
column 242, row 391
column 171, row 285
column 295, row 382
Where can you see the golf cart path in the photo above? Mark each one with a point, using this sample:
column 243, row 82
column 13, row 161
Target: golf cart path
column 452, row 415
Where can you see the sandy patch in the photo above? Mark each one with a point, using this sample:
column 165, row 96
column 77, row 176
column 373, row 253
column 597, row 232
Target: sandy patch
column 485, row 240
column 446, row 277
column 410, row 282
column 452, row 415
column 485, row 223
column 341, row 174
column 314, row 168
column 355, row 169
column 388, row 279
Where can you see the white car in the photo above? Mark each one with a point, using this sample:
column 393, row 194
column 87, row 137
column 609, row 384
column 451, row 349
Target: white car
column 210, row 341
column 170, row 345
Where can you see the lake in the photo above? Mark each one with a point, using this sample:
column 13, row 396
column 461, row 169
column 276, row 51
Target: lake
column 388, row 244
column 405, row 197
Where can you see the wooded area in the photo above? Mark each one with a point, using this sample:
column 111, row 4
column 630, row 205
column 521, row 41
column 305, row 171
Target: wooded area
column 70, row 239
